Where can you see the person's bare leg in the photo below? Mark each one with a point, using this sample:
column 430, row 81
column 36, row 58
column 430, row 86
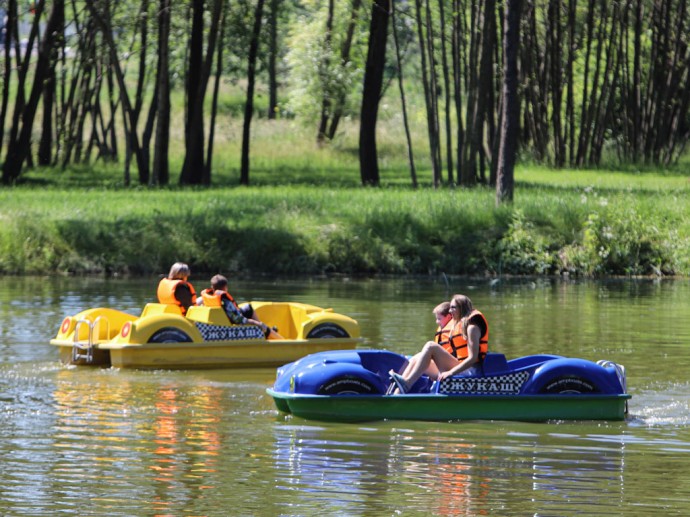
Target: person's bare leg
column 431, row 371
column 410, row 364
column 432, row 360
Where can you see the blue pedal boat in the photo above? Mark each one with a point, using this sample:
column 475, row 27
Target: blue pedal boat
column 354, row 386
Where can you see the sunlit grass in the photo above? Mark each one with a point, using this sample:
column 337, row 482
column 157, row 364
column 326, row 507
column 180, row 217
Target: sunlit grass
column 305, row 212
column 311, row 228
column 635, row 180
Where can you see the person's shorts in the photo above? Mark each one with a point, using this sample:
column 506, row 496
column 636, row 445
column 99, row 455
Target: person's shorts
column 247, row 310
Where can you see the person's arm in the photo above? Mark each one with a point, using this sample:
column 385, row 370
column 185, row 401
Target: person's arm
column 234, row 314
column 184, row 296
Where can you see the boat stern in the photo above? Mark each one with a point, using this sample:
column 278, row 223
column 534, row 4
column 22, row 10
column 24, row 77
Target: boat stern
column 80, row 337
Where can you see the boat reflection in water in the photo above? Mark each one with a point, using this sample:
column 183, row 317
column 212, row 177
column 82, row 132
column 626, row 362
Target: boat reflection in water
column 451, row 469
column 351, row 469
column 109, row 431
column 173, row 437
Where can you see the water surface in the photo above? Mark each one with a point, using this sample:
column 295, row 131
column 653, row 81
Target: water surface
column 94, row 441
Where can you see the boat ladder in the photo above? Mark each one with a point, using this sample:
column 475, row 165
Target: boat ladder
column 84, row 349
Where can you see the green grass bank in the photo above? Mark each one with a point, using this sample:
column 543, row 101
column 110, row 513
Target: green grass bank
column 589, row 223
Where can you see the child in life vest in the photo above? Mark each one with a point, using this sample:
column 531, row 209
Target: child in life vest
column 239, row 315
column 466, row 345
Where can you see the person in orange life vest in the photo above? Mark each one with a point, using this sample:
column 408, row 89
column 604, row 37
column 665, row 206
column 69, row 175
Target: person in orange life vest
column 468, row 340
column 218, row 295
column 444, row 322
column 175, row 289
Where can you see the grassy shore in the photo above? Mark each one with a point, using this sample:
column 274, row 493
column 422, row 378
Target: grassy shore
column 305, row 213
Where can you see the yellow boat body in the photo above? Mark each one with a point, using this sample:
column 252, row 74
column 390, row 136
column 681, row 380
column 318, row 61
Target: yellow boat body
column 161, row 337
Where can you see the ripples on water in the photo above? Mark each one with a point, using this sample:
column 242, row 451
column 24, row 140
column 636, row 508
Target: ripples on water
column 157, row 443
column 92, row 441
column 468, row 468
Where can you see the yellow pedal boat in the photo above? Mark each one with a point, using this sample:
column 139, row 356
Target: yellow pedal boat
column 163, row 338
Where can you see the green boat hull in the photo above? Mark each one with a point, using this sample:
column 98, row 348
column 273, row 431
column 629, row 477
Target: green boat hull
column 529, row 408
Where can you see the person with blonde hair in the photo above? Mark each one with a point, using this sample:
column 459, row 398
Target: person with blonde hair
column 467, row 345
column 175, row 289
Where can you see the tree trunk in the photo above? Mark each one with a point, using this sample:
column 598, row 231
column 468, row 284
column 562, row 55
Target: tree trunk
column 433, row 97
column 581, row 146
column 457, row 52
column 344, row 60
column 45, row 147
column 214, row 101
column 272, row 58
column 18, row 149
column 249, row 105
column 510, row 118
column 127, row 110
column 326, row 89
column 636, row 96
column 192, row 169
column 113, row 104
column 398, row 60
column 143, row 160
column 446, row 89
column 371, row 92
column 22, row 66
column 555, row 45
column 7, row 72
column 161, row 167
column 570, row 100
column 475, row 154
column 428, row 85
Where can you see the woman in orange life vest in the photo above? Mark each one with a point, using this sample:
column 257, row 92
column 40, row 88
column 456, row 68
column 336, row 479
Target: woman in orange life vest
column 218, row 296
column 467, row 345
column 175, row 290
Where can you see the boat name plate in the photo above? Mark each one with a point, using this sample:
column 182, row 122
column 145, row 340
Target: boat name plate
column 498, row 385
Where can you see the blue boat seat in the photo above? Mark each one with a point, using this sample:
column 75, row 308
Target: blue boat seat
column 494, row 363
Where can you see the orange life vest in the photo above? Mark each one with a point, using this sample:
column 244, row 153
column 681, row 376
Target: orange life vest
column 166, row 292
column 443, row 333
column 457, row 343
column 213, row 298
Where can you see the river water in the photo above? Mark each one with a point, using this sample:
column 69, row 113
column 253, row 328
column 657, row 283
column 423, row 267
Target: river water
column 94, row 441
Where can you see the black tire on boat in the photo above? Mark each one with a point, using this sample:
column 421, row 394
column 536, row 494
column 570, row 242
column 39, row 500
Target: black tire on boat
column 170, row 335
column 565, row 385
column 326, row 330
column 347, row 386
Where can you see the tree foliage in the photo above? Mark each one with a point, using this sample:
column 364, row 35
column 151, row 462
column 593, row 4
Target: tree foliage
column 314, row 58
column 597, row 81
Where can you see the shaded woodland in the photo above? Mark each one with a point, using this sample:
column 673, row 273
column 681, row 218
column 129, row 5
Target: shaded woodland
column 566, row 83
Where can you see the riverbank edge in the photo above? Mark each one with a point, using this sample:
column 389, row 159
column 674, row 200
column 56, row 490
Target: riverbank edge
column 311, row 231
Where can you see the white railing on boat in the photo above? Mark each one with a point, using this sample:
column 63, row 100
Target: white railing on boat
column 84, row 349
column 620, row 371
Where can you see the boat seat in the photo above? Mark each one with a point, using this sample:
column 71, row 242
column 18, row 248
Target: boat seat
column 209, row 315
column 281, row 315
column 494, row 363
column 151, row 309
